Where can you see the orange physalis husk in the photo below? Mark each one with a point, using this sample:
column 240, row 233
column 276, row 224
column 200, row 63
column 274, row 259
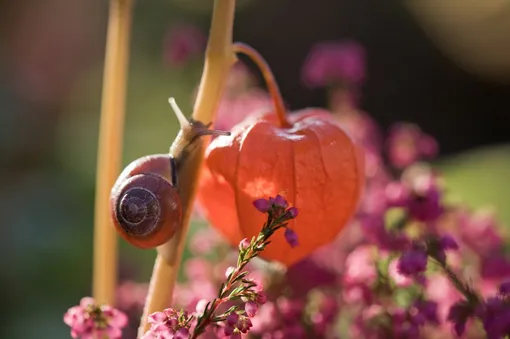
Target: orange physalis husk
column 307, row 155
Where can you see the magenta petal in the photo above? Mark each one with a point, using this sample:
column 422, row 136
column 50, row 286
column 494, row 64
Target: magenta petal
column 262, row 205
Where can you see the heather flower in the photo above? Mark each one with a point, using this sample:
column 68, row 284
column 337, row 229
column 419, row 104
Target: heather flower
column 292, row 212
column 375, row 230
column 333, row 62
column 292, row 330
column 360, row 266
column 203, row 241
column 279, row 201
column 290, row 309
column 317, row 276
column 277, row 209
column 427, row 310
column 359, row 293
column 504, row 288
column 437, row 247
column 478, row 230
column 197, row 269
column 183, row 43
column 459, row 313
column 262, row 205
column 495, row 315
column 322, row 310
column 267, row 319
column 291, row 237
column 494, row 265
column 236, row 324
column 260, row 298
column 168, row 324
column 407, row 144
column 397, row 194
column 413, row 262
column 400, row 280
column 89, row 320
column 447, row 242
column 425, row 202
column 131, row 295
column 251, row 308
column 182, row 333
column 243, row 245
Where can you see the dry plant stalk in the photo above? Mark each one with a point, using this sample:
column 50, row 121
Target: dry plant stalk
column 111, row 132
column 219, row 57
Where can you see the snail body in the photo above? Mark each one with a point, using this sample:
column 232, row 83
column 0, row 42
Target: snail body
column 145, row 201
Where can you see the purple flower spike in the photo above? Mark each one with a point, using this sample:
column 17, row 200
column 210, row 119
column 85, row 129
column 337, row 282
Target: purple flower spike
column 458, row 315
column 412, row 262
column 232, row 318
column 280, row 201
column 182, row 333
column 292, row 212
column 291, row 237
column 428, row 310
column 504, row 288
column 262, row 205
column 447, row 242
column 183, row 43
column 329, row 62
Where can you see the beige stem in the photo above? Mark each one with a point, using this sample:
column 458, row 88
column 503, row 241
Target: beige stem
column 110, row 149
column 218, row 59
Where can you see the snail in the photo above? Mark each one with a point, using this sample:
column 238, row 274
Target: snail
column 145, row 200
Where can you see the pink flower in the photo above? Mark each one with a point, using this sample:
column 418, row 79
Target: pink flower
column 244, row 244
column 479, row 230
column 183, row 43
column 397, row 194
column 412, row 262
column 89, row 320
column 440, row 290
column 266, row 320
column 251, row 308
column 236, row 324
column 360, row 266
column 291, row 237
column 131, row 295
column 407, row 144
column 197, row 269
column 262, row 205
column 204, row 240
column 168, row 324
column 290, row 309
column 399, row 279
column 494, row 266
column 425, row 201
column 330, row 62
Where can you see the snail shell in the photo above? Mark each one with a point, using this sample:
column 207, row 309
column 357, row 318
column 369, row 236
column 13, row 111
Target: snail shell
column 146, row 208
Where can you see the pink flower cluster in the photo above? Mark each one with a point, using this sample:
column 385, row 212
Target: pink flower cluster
column 90, row 321
column 169, row 324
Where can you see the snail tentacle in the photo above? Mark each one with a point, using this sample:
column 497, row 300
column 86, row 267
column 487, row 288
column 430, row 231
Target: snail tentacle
column 183, row 121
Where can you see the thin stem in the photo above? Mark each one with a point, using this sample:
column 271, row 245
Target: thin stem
column 109, row 152
column 271, row 83
column 218, row 60
column 461, row 286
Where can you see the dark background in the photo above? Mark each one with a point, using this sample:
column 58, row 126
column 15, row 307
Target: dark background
column 409, row 78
